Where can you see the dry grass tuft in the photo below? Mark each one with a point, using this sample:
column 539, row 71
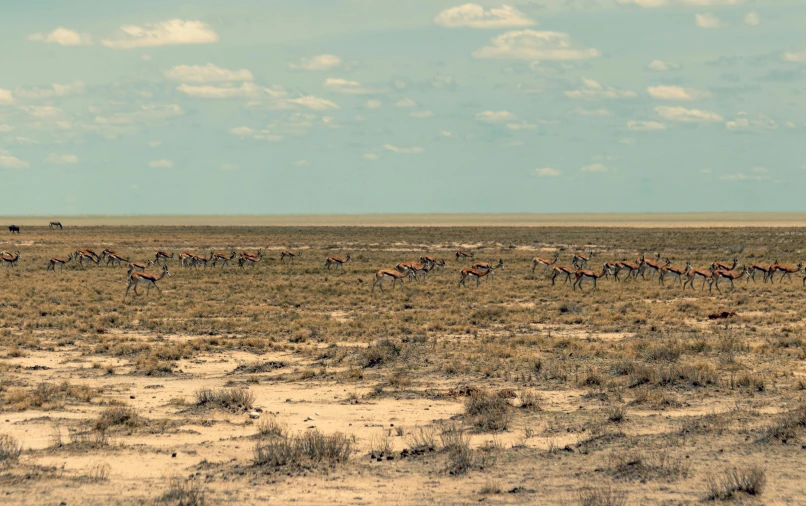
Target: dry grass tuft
column 601, row 496
column 647, row 466
column 10, row 450
column 118, row 416
column 748, row 480
column 304, row 450
column 231, row 399
column 183, row 492
column 488, row 412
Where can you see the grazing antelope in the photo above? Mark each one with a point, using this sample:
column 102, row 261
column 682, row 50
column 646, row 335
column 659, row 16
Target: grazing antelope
column 393, row 275
column 724, row 267
column 247, row 254
column 653, row 266
column 730, row 275
column 632, row 269
column 147, row 279
column 224, row 259
column 11, row 261
column 85, row 255
column 670, row 270
column 292, row 256
column 249, row 259
column 764, row 270
column 425, row 259
column 562, row 270
column 545, row 262
column 161, row 255
column 785, row 270
column 488, row 266
column 105, row 253
column 197, row 260
column 14, row 229
column 425, row 268
column 336, row 262
column 115, row 259
column 54, row 224
column 580, row 260
column 464, row 255
column 693, row 274
column 60, row 262
column 134, row 266
column 582, row 275
column 472, row 273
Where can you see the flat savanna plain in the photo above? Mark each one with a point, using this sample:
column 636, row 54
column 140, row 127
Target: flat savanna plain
column 513, row 392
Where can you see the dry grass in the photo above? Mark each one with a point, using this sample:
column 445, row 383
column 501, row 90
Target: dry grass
column 747, row 480
column 307, row 449
column 232, row 399
column 10, row 450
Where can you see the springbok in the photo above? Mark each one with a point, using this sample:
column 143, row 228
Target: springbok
column 224, row 259
column 730, row 275
column 464, row 255
column 115, row 259
column 582, row 275
column 85, row 255
column 336, row 262
column 543, row 261
column 580, row 260
column 292, row 256
column 653, row 265
column 161, row 255
column 785, row 270
column 488, row 266
column 135, row 266
column 693, row 274
column 425, row 259
column 670, row 270
column 60, row 262
column 393, row 275
column 11, row 261
column 186, row 257
column 196, row 260
column 146, row 278
column 723, row 266
column 54, row 224
column 249, row 259
column 631, row 268
column 562, row 270
column 472, row 273
column 105, row 253
column 424, row 268
column 753, row 269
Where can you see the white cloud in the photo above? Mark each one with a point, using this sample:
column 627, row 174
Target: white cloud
column 4, row 129
column 314, row 103
column 302, row 163
column 676, row 93
column 56, row 90
column 592, row 112
column 593, row 90
column 755, row 174
column 421, row 114
column 229, row 166
column 155, row 144
column 266, row 135
column 5, row 97
column 318, row 63
column 346, row 87
column 446, row 133
column 206, row 74
column 404, row 151
column 42, row 111
column 246, row 90
column 645, row 126
column 61, row 159
column 166, row 33
column 161, row 164
column 708, row 20
column 594, row 167
column 474, row 16
column 406, row 102
column 64, row 37
column 687, row 115
column 788, row 56
column 495, row 116
column 662, row 66
column 11, row 162
column 752, row 19
column 373, row 104
column 242, row 131
column 757, row 123
column 548, row 172
column 523, row 125
column 694, row 3
column 532, row 45
column 148, row 114
column 370, row 156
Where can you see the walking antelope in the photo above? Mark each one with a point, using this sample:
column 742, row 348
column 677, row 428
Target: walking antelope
column 580, row 260
column 693, row 274
column 393, row 275
column 724, row 267
column 185, row 258
column 105, row 253
column 54, row 224
column 785, row 270
column 224, row 259
column 472, row 273
column 292, row 256
column 196, row 260
column 422, row 268
column 653, row 265
column 86, row 255
column 545, row 262
column 730, row 275
column 670, row 270
column 582, row 275
column 464, row 255
column 134, row 266
column 249, row 259
column 147, row 279
column 428, row 259
column 259, row 254
column 336, row 262
column 60, row 262
column 161, row 255
column 561, row 270
column 488, row 266
column 115, row 259
column 11, row 261
column 631, row 268
column 753, row 269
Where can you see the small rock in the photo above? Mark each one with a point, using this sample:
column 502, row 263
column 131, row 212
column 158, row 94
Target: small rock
column 131, row 397
column 254, row 415
column 173, row 455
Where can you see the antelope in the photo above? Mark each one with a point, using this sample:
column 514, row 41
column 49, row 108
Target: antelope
column 106, row 253
column 488, row 266
column 425, row 259
column 249, row 259
column 673, row 271
column 161, row 255
column 224, row 259
column 60, row 262
column 464, row 255
column 764, row 270
column 693, row 274
column 11, row 261
column 654, row 265
column 559, row 270
column 292, row 256
column 184, row 257
column 724, row 267
column 115, row 259
column 14, row 229
column 470, row 272
column 387, row 274
column 632, row 269
column 54, row 224
column 425, row 268
column 611, row 268
column 148, row 279
column 247, row 254
column 580, row 260
column 85, row 255
column 542, row 261
column 730, row 275
column 336, row 262
column 196, row 260
column 581, row 275
column 785, row 270
column 134, row 266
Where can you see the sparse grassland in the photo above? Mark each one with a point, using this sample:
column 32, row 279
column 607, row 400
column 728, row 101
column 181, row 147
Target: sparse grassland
column 289, row 382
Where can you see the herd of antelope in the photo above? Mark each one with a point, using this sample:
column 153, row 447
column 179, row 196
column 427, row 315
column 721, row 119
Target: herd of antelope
column 575, row 273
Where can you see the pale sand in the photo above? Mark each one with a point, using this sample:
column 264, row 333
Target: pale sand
column 648, row 220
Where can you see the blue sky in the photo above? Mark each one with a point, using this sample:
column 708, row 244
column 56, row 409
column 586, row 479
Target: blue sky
column 389, row 106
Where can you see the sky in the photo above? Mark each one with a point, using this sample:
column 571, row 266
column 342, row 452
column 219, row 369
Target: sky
column 401, row 106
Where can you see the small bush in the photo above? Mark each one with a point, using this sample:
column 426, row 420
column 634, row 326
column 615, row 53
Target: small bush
column 750, row 480
column 183, row 493
column 457, row 445
column 601, row 496
column 788, row 426
column 530, row 400
column 10, row 450
column 616, row 414
column 422, row 439
column 378, row 354
column 118, row 415
column 270, row 427
column 309, row 448
column 488, row 412
column 233, row 399
column 647, row 466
